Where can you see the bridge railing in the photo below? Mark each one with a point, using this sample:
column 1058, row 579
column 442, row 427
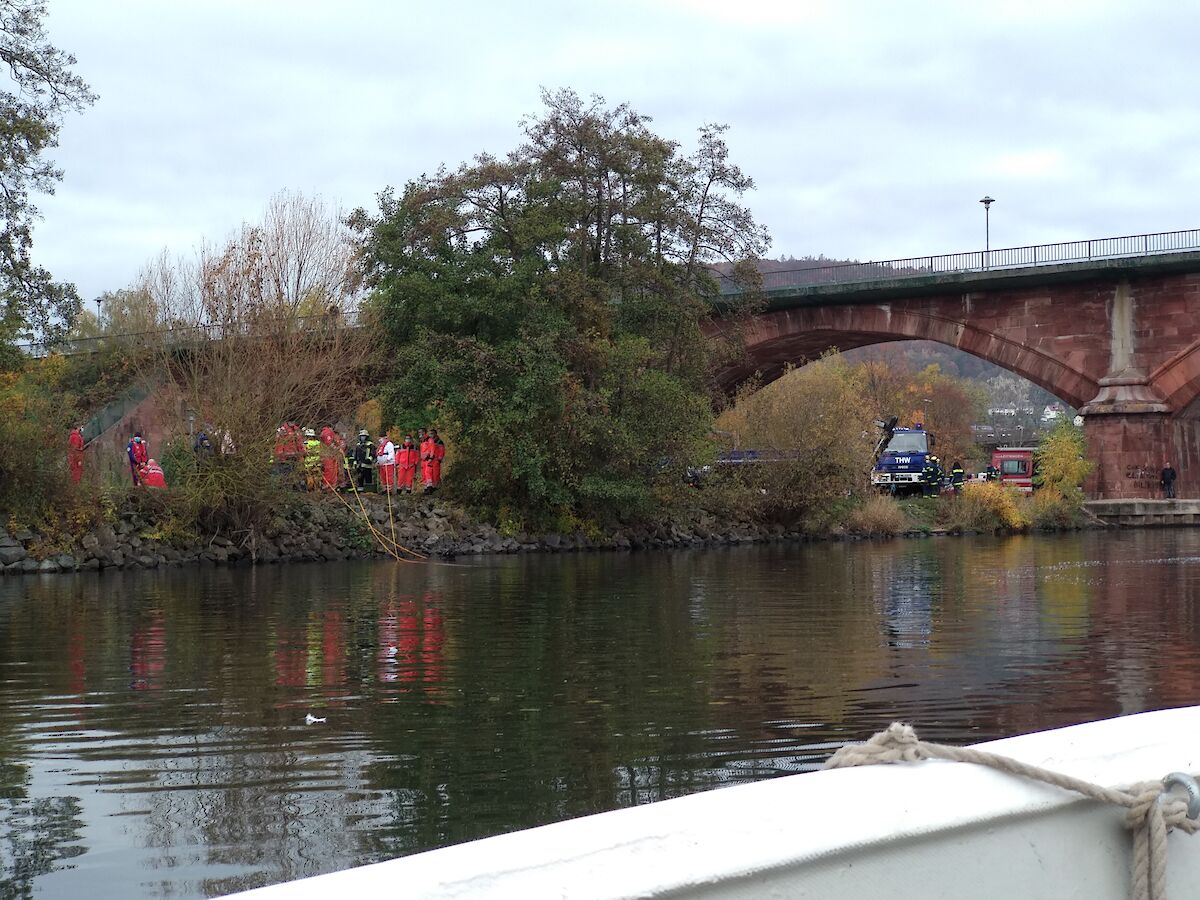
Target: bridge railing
column 186, row 334
column 1135, row 245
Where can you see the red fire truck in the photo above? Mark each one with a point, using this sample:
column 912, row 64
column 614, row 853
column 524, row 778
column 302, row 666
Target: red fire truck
column 1015, row 465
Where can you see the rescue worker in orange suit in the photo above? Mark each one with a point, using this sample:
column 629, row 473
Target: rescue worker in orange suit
column 385, row 462
column 75, row 454
column 439, row 454
column 330, row 458
column 152, row 475
column 138, row 452
column 406, row 464
column 343, row 473
column 427, row 456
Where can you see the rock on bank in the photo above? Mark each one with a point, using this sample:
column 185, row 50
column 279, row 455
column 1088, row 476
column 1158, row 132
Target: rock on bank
column 319, row 529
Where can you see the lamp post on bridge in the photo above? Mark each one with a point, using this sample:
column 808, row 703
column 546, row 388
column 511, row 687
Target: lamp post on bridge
column 987, row 230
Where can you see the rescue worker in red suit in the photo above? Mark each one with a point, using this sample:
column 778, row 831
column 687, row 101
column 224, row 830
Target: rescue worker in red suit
column 75, row 454
column 426, row 461
column 152, row 475
column 406, row 464
column 330, row 458
column 343, row 473
column 433, row 451
column 385, row 462
column 138, row 452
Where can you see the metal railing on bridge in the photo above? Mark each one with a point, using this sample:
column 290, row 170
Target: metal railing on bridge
column 1127, row 246
column 180, row 335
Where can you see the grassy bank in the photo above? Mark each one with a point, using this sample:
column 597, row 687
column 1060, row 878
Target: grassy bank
column 983, row 508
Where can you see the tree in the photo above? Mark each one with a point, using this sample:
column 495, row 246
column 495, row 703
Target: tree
column 947, row 406
column 44, row 88
column 819, row 416
column 234, row 352
column 127, row 312
column 1062, row 462
column 546, row 307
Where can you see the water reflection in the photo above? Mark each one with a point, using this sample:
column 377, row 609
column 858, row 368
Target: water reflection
column 152, row 725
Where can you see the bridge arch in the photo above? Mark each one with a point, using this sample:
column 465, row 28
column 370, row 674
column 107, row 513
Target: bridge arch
column 774, row 340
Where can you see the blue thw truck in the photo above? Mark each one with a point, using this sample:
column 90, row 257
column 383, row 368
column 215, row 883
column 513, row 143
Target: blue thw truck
column 900, row 458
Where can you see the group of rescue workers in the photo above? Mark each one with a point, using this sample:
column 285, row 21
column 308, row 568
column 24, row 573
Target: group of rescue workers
column 329, row 464
column 933, row 476
column 145, row 470
column 322, row 462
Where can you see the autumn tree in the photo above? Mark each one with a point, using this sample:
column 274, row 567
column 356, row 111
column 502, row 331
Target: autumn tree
column 42, row 89
column 546, row 307
column 815, row 428
column 236, row 351
column 1062, row 463
column 945, row 405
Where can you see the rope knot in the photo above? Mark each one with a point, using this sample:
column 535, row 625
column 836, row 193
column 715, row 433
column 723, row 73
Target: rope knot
column 1151, row 808
column 1152, row 800
column 896, row 743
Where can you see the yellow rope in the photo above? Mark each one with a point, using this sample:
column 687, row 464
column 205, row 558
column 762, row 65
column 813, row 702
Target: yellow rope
column 391, row 517
column 366, row 518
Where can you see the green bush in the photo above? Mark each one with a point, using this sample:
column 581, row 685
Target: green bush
column 36, row 415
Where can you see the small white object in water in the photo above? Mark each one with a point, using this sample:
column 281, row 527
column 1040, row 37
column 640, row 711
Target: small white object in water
column 310, row 719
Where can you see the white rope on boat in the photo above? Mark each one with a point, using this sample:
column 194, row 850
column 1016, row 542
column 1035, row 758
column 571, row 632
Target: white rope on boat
column 1151, row 808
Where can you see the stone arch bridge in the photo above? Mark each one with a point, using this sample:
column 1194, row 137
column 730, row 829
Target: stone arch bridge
column 1111, row 327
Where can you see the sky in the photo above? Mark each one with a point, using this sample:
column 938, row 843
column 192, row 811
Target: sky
column 871, row 129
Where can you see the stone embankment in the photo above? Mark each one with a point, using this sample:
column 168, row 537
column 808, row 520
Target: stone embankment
column 323, row 530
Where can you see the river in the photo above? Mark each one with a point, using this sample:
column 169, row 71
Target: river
column 153, row 736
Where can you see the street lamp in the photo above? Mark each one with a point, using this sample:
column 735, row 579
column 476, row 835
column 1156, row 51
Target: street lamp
column 987, row 228
column 925, row 418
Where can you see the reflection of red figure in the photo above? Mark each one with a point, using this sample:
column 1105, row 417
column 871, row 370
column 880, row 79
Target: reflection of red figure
column 77, row 663
column 410, row 638
column 291, row 654
column 148, row 653
column 333, row 650
column 433, row 639
column 388, row 639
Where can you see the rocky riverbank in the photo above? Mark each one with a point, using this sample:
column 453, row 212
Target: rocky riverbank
column 321, row 529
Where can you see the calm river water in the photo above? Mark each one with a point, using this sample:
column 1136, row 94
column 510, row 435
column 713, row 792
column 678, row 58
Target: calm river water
column 152, row 725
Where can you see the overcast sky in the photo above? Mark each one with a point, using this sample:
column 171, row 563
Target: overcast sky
column 871, row 129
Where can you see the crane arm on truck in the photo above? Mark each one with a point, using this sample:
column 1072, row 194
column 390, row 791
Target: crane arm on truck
column 887, row 430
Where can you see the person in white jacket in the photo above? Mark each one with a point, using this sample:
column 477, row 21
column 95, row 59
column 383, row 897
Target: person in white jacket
column 385, row 461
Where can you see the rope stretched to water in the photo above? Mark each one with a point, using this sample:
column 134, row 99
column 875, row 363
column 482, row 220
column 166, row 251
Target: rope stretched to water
column 366, row 518
column 1151, row 809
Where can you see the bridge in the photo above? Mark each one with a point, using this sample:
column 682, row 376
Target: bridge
column 1110, row 326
